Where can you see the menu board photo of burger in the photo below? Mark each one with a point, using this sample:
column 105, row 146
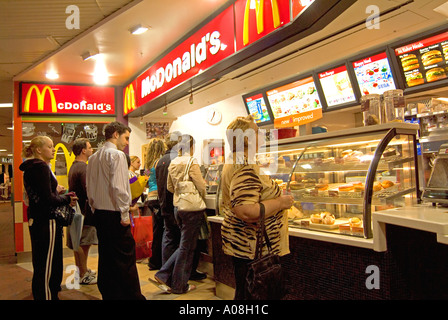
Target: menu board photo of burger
column 257, row 108
column 295, row 103
column 424, row 61
column 374, row 74
column 336, row 86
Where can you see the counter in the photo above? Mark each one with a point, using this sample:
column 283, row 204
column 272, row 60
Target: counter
column 409, row 251
column 423, row 217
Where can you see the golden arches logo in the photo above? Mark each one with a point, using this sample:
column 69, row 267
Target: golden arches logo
column 69, row 157
column 129, row 99
column 259, row 16
column 40, row 96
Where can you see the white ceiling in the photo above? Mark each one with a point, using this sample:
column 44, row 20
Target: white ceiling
column 34, row 39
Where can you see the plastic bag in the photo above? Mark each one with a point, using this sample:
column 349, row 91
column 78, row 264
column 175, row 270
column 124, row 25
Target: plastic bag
column 76, row 227
column 142, row 233
column 138, row 185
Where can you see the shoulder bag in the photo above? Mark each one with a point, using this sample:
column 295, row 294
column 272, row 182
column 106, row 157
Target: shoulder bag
column 63, row 215
column 188, row 197
column 264, row 279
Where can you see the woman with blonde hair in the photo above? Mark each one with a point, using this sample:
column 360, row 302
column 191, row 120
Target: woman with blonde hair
column 46, row 236
column 244, row 190
column 156, row 150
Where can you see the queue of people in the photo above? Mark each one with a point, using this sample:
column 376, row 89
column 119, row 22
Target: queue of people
column 103, row 192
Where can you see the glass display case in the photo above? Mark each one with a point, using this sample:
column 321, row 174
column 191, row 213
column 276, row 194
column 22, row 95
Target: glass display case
column 338, row 178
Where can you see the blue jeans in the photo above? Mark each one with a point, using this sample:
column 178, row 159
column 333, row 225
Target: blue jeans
column 171, row 237
column 177, row 269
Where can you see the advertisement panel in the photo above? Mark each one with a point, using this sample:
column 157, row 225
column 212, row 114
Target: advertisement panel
column 295, row 103
column 374, row 74
column 336, row 86
column 257, row 107
column 424, row 61
column 55, row 99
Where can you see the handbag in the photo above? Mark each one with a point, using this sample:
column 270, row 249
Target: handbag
column 264, row 279
column 63, row 215
column 188, row 197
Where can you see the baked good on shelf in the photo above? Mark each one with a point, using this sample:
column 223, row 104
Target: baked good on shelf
column 377, row 186
column 328, row 218
column 294, row 213
column 345, row 187
column 387, row 184
column 355, row 222
column 358, row 188
column 322, row 186
column 389, row 152
column 278, row 181
column 316, row 218
column 346, row 152
column 294, row 185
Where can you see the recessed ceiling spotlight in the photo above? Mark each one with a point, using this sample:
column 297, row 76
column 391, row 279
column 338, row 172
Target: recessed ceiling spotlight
column 138, row 29
column 52, row 75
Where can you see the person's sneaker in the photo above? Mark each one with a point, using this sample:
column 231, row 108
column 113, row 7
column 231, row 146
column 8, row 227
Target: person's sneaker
column 197, row 275
column 91, row 272
column 88, row 278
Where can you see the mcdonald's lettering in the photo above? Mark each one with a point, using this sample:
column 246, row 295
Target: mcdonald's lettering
column 40, row 96
column 65, row 99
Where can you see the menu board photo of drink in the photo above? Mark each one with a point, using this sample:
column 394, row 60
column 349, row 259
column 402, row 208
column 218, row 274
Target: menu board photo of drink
column 256, row 107
column 374, row 74
column 295, row 104
column 424, row 61
column 336, row 86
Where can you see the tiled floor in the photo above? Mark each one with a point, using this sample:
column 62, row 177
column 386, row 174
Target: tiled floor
column 15, row 284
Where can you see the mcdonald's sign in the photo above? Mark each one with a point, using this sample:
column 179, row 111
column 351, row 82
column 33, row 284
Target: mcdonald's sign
column 129, row 101
column 254, row 19
column 39, row 98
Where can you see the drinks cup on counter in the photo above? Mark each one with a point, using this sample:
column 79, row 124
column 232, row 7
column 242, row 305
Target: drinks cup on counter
column 371, row 109
column 394, row 106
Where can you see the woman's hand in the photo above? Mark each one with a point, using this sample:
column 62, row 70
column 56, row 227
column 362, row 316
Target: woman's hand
column 60, row 189
column 286, row 201
column 73, row 200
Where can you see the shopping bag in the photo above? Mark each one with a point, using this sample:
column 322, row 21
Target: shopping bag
column 142, row 233
column 76, row 227
column 138, row 185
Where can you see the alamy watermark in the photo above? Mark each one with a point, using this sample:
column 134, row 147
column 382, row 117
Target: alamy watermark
column 373, row 20
column 73, row 20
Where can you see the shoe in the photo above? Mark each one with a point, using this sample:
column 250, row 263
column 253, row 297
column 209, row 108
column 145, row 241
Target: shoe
column 91, row 272
column 197, row 275
column 162, row 284
column 191, row 287
column 88, row 278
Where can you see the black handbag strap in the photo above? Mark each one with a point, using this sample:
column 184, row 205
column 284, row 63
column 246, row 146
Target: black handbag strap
column 261, row 232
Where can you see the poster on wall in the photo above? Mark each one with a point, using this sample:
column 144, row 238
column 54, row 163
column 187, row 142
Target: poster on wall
column 63, row 136
column 157, row 129
column 374, row 74
column 424, row 61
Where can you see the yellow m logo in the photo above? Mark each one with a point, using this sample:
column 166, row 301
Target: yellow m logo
column 129, row 99
column 259, row 16
column 40, row 96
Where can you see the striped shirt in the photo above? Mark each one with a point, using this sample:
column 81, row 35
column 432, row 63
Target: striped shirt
column 107, row 182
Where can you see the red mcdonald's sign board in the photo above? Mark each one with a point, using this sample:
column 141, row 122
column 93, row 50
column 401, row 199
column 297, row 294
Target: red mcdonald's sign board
column 54, row 99
column 232, row 30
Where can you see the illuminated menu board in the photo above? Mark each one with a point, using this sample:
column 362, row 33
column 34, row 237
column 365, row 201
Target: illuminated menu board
column 337, row 86
column 424, row 61
column 295, row 103
column 256, row 106
column 374, row 74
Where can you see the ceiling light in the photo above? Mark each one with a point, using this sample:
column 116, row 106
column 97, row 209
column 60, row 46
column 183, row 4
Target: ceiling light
column 442, row 9
column 138, row 29
column 52, row 75
column 10, row 128
column 89, row 55
column 5, row 105
column 3, row 150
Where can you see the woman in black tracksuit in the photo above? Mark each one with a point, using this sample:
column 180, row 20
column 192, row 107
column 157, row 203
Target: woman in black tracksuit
column 46, row 236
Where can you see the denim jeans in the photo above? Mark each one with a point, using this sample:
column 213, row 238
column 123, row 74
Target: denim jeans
column 171, row 237
column 176, row 271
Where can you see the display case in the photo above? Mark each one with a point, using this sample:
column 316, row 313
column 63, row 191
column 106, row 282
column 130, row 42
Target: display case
column 338, row 178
